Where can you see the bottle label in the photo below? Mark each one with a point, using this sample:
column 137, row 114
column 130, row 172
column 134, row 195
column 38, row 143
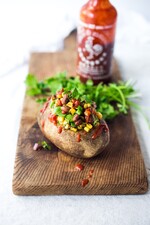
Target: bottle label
column 95, row 51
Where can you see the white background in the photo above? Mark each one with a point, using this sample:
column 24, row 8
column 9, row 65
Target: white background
column 41, row 26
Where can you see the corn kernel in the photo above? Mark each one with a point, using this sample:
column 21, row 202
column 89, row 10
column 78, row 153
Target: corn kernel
column 72, row 111
column 65, row 122
column 99, row 115
column 85, row 106
column 60, row 119
column 86, row 129
column 80, row 127
column 59, row 95
column 70, row 104
column 67, row 126
column 89, row 125
column 73, row 129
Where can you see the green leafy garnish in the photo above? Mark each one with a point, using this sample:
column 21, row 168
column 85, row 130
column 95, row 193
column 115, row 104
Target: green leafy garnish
column 35, row 87
column 79, row 110
column 111, row 100
column 41, row 100
column 45, row 145
column 69, row 118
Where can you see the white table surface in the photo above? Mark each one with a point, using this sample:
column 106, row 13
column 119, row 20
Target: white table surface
column 133, row 53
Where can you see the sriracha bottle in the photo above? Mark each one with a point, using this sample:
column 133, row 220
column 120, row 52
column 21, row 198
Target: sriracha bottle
column 95, row 37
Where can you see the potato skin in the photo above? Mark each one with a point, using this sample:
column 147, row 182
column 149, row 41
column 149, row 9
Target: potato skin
column 67, row 139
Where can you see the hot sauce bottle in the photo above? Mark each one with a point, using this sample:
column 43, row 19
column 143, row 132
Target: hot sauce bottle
column 96, row 35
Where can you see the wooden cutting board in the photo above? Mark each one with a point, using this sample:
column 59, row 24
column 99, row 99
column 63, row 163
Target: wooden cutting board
column 118, row 170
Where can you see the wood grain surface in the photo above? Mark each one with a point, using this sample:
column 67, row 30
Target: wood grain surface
column 118, row 170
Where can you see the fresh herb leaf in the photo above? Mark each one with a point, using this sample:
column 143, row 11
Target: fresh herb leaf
column 57, row 111
column 51, row 104
column 79, row 110
column 69, row 118
column 41, row 100
column 31, row 81
column 45, row 145
column 111, row 100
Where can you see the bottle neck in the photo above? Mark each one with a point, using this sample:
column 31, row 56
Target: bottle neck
column 99, row 4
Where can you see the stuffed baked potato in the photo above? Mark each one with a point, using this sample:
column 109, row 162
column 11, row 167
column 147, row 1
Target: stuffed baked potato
column 73, row 125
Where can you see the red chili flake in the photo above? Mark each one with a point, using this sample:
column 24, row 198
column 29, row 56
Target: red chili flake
column 42, row 123
column 78, row 137
column 59, row 129
column 85, row 182
column 79, row 167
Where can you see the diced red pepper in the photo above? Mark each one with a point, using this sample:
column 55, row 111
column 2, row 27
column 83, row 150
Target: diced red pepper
column 52, row 118
column 87, row 112
column 76, row 103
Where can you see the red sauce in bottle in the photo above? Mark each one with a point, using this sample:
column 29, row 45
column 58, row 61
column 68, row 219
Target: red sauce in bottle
column 96, row 34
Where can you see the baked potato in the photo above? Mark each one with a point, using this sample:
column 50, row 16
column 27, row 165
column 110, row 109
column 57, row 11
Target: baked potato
column 73, row 125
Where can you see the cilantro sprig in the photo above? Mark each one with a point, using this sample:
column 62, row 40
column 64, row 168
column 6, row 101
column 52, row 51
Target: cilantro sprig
column 111, row 100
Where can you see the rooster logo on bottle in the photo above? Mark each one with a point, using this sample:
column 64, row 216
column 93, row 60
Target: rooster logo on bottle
column 92, row 52
column 92, row 49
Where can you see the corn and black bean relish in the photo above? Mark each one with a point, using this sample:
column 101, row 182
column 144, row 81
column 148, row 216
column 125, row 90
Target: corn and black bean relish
column 72, row 114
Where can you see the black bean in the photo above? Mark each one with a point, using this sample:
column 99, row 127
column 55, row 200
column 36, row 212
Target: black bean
column 78, row 122
column 65, row 99
column 76, row 117
column 65, row 109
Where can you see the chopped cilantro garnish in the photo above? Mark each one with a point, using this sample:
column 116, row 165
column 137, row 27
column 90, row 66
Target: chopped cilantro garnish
column 111, row 100
column 57, row 111
column 69, row 118
column 45, row 145
column 79, row 110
